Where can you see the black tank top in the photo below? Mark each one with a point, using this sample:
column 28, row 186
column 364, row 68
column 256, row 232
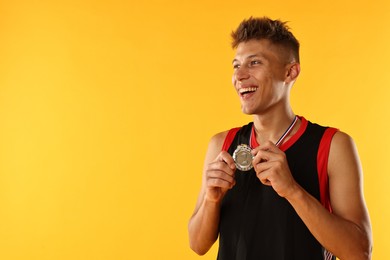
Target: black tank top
column 255, row 222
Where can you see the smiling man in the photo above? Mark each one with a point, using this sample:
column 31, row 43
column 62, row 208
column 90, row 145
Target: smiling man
column 280, row 187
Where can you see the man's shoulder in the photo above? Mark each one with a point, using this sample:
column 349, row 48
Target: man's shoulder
column 219, row 137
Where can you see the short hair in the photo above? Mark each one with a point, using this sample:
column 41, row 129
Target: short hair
column 276, row 31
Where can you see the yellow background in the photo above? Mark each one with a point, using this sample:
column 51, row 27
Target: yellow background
column 107, row 107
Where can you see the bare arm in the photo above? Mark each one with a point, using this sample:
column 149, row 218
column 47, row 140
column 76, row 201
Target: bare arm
column 346, row 232
column 218, row 177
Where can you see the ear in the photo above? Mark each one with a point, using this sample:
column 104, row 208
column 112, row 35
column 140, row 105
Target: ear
column 293, row 70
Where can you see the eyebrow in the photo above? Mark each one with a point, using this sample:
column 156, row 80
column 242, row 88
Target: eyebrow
column 250, row 57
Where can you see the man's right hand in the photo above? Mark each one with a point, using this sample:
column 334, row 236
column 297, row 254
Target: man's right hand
column 217, row 179
column 220, row 176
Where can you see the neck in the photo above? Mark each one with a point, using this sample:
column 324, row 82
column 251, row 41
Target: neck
column 270, row 127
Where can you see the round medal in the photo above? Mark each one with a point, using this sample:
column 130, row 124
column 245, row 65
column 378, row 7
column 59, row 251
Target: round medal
column 243, row 157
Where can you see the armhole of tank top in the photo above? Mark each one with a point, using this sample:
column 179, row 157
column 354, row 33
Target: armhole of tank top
column 229, row 138
column 322, row 166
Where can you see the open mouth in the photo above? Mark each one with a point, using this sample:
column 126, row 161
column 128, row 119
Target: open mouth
column 245, row 91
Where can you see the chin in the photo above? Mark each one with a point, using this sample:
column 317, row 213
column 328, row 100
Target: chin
column 247, row 111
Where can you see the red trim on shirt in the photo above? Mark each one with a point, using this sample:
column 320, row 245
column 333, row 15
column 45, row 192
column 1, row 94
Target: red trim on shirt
column 229, row 138
column 253, row 140
column 296, row 136
column 322, row 166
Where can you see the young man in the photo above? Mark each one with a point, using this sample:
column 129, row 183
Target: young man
column 280, row 187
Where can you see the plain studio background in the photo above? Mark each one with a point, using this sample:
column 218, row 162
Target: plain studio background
column 107, row 107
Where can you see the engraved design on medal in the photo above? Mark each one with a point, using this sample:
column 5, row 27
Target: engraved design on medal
column 243, row 157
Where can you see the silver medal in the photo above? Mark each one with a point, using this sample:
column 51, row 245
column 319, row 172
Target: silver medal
column 243, row 157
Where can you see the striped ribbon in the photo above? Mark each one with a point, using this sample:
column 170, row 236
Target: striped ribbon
column 281, row 139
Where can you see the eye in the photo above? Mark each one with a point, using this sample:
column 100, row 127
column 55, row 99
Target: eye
column 255, row 62
column 236, row 66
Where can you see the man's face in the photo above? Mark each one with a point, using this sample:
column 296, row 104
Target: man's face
column 260, row 69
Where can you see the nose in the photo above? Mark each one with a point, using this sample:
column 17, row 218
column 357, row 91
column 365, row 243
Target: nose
column 240, row 74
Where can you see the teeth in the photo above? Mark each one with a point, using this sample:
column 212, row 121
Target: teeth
column 243, row 90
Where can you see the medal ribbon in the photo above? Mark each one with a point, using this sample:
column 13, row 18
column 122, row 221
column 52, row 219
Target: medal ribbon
column 281, row 139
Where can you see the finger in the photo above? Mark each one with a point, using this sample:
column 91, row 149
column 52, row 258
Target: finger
column 262, row 156
column 227, row 158
column 263, row 172
column 219, row 174
column 221, row 166
column 217, row 183
column 272, row 154
column 264, row 180
column 262, row 167
column 220, row 180
column 266, row 146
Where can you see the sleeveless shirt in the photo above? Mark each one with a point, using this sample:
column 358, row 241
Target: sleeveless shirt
column 255, row 222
